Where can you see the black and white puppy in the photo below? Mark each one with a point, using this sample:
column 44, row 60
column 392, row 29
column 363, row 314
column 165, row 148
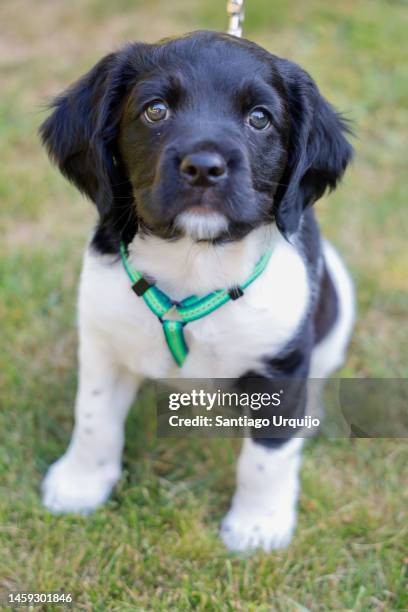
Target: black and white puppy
column 200, row 153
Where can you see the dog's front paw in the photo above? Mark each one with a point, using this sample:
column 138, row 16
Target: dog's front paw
column 70, row 487
column 242, row 531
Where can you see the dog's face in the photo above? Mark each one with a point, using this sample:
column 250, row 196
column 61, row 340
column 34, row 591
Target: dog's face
column 204, row 135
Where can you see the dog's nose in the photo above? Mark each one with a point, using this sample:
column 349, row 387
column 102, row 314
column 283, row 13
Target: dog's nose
column 203, row 169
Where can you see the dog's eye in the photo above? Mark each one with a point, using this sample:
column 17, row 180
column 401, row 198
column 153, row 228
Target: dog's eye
column 259, row 119
column 156, row 111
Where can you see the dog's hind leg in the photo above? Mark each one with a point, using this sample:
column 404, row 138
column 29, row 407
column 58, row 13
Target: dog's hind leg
column 82, row 479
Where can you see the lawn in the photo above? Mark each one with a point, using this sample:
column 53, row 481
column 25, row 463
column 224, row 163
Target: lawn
column 155, row 545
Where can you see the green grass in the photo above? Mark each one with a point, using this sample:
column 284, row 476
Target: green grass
column 155, row 546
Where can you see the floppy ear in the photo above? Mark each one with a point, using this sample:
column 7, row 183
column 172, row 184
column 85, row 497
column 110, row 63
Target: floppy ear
column 318, row 150
column 80, row 133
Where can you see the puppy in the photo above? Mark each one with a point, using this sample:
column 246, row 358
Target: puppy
column 201, row 154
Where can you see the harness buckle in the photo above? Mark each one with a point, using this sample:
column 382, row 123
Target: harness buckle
column 235, row 292
column 141, row 286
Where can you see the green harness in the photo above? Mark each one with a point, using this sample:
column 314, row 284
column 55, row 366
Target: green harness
column 175, row 315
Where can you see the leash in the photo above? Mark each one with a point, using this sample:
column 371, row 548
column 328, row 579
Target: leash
column 173, row 315
column 235, row 10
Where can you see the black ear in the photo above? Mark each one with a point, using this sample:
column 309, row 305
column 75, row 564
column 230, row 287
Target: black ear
column 318, row 150
column 80, row 133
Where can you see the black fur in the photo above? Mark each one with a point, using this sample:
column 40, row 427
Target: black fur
column 327, row 308
column 318, row 150
column 100, row 142
column 287, row 371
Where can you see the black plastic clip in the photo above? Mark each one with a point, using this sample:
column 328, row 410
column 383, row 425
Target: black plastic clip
column 141, row 286
column 235, row 293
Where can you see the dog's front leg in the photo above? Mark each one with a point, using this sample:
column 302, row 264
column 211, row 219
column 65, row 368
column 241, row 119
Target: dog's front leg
column 264, row 507
column 82, row 479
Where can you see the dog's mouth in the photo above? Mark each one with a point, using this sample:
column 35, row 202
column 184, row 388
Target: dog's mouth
column 201, row 209
column 200, row 218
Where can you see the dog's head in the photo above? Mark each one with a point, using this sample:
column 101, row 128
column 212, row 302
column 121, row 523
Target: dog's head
column 205, row 135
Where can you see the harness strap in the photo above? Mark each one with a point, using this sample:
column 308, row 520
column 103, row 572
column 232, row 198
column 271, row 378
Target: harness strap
column 173, row 332
column 175, row 315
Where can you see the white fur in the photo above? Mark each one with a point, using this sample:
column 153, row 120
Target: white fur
column 82, row 479
column 263, row 509
column 223, row 345
column 202, row 225
column 122, row 342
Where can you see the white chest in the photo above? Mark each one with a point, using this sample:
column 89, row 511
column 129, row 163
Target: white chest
column 225, row 344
